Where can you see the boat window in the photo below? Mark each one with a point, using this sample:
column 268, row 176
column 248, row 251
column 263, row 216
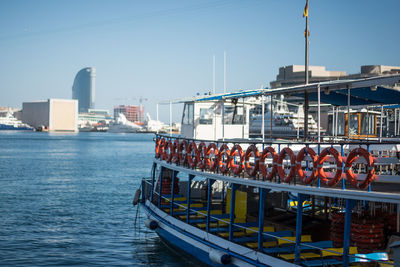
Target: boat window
column 367, row 124
column 340, row 123
column 206, row 116
column 353, row 124
column 234, row 115
column 187, row 117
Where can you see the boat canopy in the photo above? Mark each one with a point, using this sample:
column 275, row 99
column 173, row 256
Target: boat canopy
column 367, row 91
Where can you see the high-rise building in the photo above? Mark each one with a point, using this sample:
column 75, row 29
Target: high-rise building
column 132, row 113
column 84, row 87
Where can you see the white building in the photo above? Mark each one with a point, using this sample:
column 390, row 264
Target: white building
column 54, row 115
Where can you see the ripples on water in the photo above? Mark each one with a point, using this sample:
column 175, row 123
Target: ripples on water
column 66, row 200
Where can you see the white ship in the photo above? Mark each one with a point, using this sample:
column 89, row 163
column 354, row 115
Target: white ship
column 122, row 125
column 9, row 122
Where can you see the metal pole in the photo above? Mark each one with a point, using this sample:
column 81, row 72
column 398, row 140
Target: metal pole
column 261, row 219
column 319, row 113
column 213, row 74
column 223, row 122
column 172, row 192
column 333, row 121
column 381, row 126
column 262, row 118
column 157, row 114
column 336, row 123
column 209, row 188
column 348, row 112
column 306, row 79
column 347, row 228
column 170, row 117
column 224, row 72
column 191, row 176
column 395, row 122
column 299, row 222
column 270, row 116
column 232, row 211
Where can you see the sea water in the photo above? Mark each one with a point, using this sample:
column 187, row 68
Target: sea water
column 66, row 199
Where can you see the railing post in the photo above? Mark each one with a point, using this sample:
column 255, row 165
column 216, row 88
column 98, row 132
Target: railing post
column 232, row 210
column 209, row 187
column 299, row 223
column 153, row 178
column 172, row 192
column 261, row 208
column 191, row 176
column 347, row 229
column 160, row 186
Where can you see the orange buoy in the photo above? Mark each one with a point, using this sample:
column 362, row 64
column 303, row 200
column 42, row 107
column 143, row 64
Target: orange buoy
column 200, row 155
column 300, row 157
column 251, row 151
column 212, row 157
column 286, row 178
column 236, row 165
column 261, row 164
column 224, row 153
column 350, row 176
column 191, row 154
column 183, row 152
column 339, row 165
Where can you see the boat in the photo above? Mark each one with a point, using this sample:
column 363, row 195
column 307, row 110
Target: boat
column 228, row 199
column 9, row 122
column 122, row 125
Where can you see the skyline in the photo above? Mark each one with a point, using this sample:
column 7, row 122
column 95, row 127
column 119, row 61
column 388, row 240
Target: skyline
column 163, row 50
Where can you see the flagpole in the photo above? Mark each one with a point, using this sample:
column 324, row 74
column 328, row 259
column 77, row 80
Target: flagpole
column 306, row 107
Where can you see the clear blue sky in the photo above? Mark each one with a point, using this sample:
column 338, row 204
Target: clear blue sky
column 162, row 50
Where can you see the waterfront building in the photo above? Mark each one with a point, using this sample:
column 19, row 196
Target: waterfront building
column 83, row 88
column 132, row 113
column 54, row 115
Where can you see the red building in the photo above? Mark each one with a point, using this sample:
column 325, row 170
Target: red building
column 132, row 113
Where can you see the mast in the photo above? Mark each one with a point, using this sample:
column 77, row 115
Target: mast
column 306, row 33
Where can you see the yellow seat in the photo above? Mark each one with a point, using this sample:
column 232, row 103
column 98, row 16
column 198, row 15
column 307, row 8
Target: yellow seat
column 204, row 225
column 266, row 244
column 352, row 250
column 253, row 230
column 304, row 256
column 292, row 239
column 177, row 198
column 193, row 205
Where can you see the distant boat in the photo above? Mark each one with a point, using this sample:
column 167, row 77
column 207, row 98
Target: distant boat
column 122, row 125
column 9, row 122
column 154, row 125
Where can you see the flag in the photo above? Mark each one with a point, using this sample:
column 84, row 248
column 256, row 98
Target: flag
column 305, row 12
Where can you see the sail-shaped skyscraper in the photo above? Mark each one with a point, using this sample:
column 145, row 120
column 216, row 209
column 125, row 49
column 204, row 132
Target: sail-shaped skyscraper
column 84, row 87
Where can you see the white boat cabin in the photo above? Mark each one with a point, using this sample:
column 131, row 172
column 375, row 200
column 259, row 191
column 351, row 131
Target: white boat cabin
column 203, row 120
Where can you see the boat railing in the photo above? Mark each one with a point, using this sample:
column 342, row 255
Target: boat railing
column 149, row 194
column 338, row 164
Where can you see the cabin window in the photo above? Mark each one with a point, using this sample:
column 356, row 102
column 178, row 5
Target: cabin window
column 367, row 124
column 354, row 124
column 206, row 116
column 340, row 123
column 234, row 115
column 187, row 117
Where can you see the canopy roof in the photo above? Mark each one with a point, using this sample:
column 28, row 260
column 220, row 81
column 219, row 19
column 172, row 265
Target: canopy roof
column 367, row 91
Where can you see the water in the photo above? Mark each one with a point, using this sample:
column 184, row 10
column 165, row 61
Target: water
column 66, row 200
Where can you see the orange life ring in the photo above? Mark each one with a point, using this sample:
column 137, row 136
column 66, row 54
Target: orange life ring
column 355, row 153
column 286, row 178
column 212, row 162
column 175, row 157
column 201, row 155
column 339, row 164
column 183, row 156
column 237, row 166
column 261, row 164
column 161, row 148
column 191, row 154
column 300, row 157
column 224, row 165
column 158, row 148
column 169, row 151
column 251, row 151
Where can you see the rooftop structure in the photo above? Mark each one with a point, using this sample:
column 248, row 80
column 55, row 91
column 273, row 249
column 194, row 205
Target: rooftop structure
column 83, row 88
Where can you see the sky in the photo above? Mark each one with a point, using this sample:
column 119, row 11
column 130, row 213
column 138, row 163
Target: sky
column 161, row 50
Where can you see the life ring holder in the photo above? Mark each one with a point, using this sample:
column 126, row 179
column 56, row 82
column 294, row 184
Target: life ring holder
column 176, row 147
column 300, row 157
column 286, row 178
column 223, row 166
column 261, row 164
column 211, row 164
column 236, row 167
column 183, row 156
column 192, row 154
column 350, row 176
column 201, row 160
column 339, row 165
column 251, row 151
